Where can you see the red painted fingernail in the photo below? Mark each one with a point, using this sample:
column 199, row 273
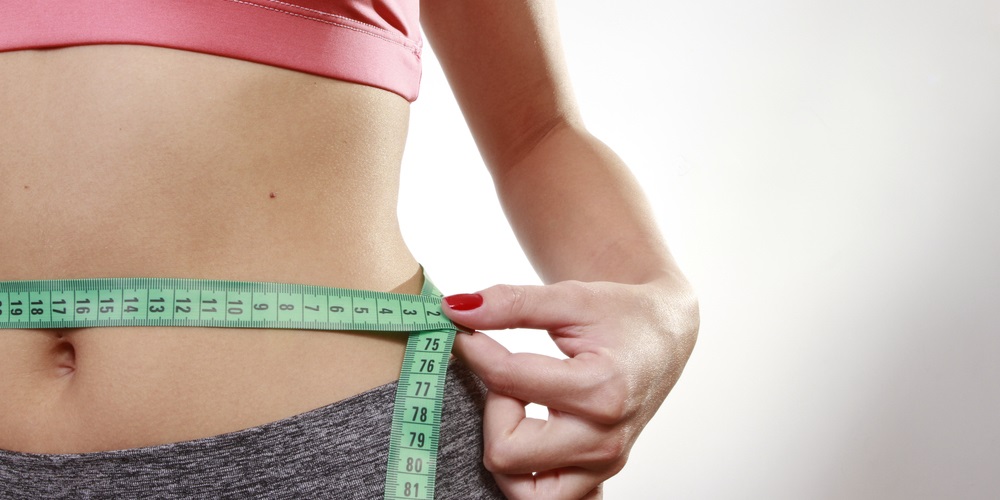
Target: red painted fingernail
column 464, row 301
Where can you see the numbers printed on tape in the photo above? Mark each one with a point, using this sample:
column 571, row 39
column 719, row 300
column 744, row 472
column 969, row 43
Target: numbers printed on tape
column 417, row 414
column 183, row 302
column 165, row 302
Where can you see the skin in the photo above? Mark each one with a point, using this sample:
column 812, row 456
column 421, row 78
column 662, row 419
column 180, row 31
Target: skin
column 143, row 161
column 617, row 303
column 142, row 148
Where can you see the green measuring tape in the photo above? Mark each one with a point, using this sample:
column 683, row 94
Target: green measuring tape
column 232, row 304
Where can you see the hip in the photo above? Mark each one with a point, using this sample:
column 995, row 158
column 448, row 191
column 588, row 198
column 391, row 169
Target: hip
column 335, row 451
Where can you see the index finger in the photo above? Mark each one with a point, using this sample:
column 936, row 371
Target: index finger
column 550, row 307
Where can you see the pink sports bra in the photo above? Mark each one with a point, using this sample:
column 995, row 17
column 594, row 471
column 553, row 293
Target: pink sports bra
column 372, row 42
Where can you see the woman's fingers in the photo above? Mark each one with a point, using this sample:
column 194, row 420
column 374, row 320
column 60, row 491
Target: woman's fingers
column 587, row 385
column 627, row 344
column 561, row 484
column 514, row 444
column 551, row 307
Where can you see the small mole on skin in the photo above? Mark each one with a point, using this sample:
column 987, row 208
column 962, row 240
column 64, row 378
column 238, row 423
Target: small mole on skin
column 273, row 195
column 26, row 186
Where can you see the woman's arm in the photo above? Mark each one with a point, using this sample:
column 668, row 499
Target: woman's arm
column 573, row 204
column 628, row 321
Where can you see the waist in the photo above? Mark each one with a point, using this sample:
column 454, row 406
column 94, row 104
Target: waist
column 94, row 389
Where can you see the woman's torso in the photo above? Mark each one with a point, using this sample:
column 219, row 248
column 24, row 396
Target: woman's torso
column 131, row 161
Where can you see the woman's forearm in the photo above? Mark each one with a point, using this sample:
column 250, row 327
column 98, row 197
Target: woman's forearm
column 627, row 326
column 580, row 214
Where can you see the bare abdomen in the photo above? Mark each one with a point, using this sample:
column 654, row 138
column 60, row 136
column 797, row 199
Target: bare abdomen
column 120, row 161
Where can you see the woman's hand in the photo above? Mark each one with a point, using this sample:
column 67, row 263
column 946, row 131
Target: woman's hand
column 627, row 345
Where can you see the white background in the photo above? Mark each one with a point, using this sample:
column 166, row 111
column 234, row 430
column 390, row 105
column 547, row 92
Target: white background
column 827, row 175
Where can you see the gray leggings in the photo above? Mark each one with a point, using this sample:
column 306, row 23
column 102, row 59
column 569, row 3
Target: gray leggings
column 338, row 451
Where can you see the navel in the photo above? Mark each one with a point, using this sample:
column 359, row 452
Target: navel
column 64, row 355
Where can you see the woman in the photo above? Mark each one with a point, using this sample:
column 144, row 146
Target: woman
column 261, row 141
